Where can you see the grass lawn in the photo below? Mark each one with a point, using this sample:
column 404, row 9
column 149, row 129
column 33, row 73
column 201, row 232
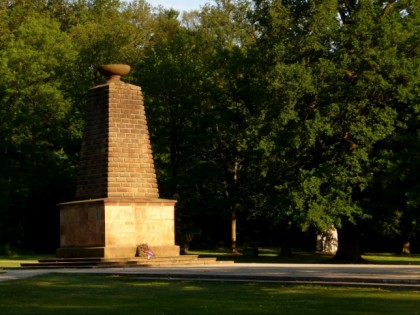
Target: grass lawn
column 305, row 257
column 7, row 263
column 104, row 294
column 391, row 259
column 15, row 260
column 265, row 256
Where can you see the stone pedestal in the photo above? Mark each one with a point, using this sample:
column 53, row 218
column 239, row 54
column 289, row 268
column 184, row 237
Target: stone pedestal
column 117, row 203
column 113, row 228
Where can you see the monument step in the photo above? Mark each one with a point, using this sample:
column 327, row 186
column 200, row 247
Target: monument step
column 128, row 259
column 183, row 260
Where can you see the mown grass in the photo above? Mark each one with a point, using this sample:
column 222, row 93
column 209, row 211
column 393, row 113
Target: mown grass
column 266, row 255
column 392, row 259
column 305, row 257
column 103, row 294
column 15, row 260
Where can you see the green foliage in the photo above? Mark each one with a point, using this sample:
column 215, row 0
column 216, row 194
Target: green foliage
column 336, row 89
column 276, row 114
column 199, row 95
column 48, row 59
column 34, row 111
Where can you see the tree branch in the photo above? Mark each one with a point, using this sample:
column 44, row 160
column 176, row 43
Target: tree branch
column 388, row 7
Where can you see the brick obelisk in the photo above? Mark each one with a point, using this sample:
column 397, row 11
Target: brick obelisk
column 117, row 203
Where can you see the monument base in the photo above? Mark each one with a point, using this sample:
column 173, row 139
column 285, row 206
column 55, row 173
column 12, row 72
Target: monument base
column 112, row 228
column 113, row 252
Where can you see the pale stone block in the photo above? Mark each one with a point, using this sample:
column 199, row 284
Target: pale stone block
column 153, row 212
column 167, row 212
column 120, row 225
column 119, row 212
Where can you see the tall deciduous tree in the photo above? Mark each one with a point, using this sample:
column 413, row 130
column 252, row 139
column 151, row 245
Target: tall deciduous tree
column 172, row 76
column 338, row 88
column 289, row 111
column 34, row 125
column 197, row 85
column 231, row 31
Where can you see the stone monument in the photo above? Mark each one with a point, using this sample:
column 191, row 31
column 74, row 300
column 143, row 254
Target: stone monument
column 117, row 205
column 327, row 242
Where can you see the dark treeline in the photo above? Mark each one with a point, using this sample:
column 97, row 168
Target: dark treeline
column 270, row 120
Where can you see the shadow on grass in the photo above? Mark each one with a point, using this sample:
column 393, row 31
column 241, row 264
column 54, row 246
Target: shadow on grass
column 306, row 257
column 95, row 294
column 266, row 255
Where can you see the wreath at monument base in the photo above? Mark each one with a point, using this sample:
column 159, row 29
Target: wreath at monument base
column 143, row 250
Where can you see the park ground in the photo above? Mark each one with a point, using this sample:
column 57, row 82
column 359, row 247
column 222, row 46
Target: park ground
column 119, row 293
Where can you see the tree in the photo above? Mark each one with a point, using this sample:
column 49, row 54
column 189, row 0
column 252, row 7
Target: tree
column 336, row 89
column 189, row 76
column 108, row 32
column 34, row 128
column 103, row 32
column 173, row 80
column 235, row 118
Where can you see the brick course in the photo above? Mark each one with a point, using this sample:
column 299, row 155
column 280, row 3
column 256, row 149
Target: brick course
column 116, row 156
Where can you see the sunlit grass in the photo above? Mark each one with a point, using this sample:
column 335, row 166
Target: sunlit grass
column 99, row 294
column 266, row 255
column 13, row 261
column 7, row 263
column 386, row 258
column 305, row 257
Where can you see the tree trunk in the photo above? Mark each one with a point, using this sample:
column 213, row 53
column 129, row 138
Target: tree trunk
column 233, row 230
column 285, row 249
column 348, row 243
column 231, row 199
column 285, row 245
column 406, row 247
